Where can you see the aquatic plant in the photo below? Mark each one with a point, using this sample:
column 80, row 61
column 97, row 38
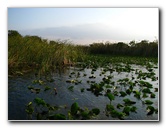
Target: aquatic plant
column 148, row 102
column 151, row 110
column 47, row 88
column 110, row 96
column 128, row 101
column 71, row 88
column 78, row 113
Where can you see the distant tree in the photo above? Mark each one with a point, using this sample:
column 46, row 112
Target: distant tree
column 132, row 43
column 14, row 33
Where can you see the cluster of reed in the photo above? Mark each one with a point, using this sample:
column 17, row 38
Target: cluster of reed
column 33, row 52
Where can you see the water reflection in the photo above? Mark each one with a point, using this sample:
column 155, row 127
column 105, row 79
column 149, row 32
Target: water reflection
column 19, row 95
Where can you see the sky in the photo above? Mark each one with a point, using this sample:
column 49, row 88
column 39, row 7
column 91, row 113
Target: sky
column 86, row 25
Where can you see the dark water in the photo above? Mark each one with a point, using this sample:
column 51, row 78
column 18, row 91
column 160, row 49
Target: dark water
column 19, row 95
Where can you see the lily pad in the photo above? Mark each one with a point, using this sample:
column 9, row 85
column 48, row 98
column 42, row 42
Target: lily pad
column 57, row 117
column 128, row 101
column 71, row 88
column 96, row 111
column 123, row 94
column 152, row 95
column 39, row 101
column 119, row 106
column 148, row 102
column 74, row 108
column 146, row 90
column 133, row 109
column 110, row 96
column 126, row 110
column 150, row 110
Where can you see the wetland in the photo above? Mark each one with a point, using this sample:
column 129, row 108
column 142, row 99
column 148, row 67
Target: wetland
column 57, row 80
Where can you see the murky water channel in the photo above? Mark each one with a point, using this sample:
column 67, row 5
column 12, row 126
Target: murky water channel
column 19, row 95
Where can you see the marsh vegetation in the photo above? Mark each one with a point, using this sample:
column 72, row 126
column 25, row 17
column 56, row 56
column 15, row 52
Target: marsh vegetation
column 57, row 80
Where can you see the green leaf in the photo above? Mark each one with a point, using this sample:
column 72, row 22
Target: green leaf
column 126, row 110
column 128, row 91
column 57, row 117
column 133, row 109
column 74, row 108
column 137, row 94
column 156, row 89
column 145, row 84
column 128, row 101
column 148, row 102
column 119, row 106
column 146, row 90
column 152, row 95
column 82, row 89
column 150, row 110
column 123, row 94
column 114, row 113
column 71, row 88
column 40, row 101
column 47, row 88
column 85, row 115
column 110, row 96
column 145, row 95
column 109, row 107
column 96, row 111
column 30, row 87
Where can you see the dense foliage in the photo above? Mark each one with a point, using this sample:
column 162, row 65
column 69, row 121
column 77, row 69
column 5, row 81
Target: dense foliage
column 143, row 48
column 34, row 52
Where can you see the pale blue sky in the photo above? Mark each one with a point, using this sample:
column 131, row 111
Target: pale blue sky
column 86, row 25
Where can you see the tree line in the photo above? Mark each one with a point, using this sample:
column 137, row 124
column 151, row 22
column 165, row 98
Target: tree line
column 143, row 48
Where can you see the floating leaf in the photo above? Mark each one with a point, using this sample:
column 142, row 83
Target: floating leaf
column 119, row 106
column 133, row 109
column 30, row 87
column 110, row 96
column 57, row 117
column 109, row 107
column 150, row 110
column 115, row 93
column 126, row 110
column 40, row 101
column 29, row 110
column 85, row 115
column 152, row 95
column 128, row 101
column 47, row 88
column 71, row 88
column 82, row 89
column 137, row 94
column 156, row 89
column 128, row 91
column 146, row 90
column 74, row 108
column 41, row 82
column 96, row 111
column 121, row 115
column 35, row 90
column 145, row 95
column 148, row 102
column 145, row 84
column 108, row 86
column 30, row 103
column 114, row 113
column 123, row 94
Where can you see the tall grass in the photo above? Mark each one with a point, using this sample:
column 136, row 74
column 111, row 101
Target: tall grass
column 31, row 52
